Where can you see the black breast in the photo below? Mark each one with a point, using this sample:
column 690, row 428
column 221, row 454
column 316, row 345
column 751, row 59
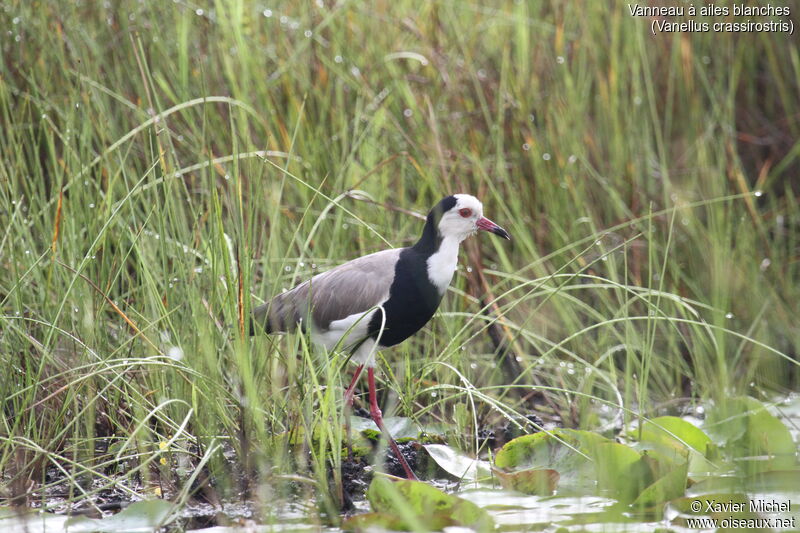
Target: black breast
column 412, row 300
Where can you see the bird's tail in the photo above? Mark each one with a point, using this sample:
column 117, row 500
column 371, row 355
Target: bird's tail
column 276, row 316
column 259, row 319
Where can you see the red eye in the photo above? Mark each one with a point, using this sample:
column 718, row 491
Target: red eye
column 466, row 212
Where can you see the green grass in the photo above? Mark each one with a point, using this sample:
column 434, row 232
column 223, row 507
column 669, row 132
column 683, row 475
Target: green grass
column 166, row 166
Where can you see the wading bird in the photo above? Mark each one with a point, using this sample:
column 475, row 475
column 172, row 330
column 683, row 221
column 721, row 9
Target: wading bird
column 381, row 299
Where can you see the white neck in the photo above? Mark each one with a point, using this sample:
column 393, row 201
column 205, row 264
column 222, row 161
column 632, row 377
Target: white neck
column 442, row 264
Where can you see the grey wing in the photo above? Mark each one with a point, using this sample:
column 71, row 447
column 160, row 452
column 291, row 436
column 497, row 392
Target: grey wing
column 351, row 288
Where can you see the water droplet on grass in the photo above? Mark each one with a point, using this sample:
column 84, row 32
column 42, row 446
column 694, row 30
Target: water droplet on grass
column 758, row 194
column 546, row 156
column 338, row 59
column 308, row 33
column 267, row 13
column 729, row 315
column 407, row 113
column 560, row 60
column 199, row 12
column 526, row 147
column 765, row 263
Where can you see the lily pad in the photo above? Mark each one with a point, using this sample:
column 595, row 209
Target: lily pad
column 746, row 429
column 621, row 471
column 419, row 506
column 399, row 427
column 678, row 440
column 138, row 517
column 568, row 451
column 456, row 464
column 536, row 481
column 670, row 485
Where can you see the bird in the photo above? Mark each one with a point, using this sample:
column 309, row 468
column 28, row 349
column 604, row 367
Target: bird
column 379, row 300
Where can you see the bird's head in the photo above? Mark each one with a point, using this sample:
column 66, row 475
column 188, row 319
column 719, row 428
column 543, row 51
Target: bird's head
column 461, row 215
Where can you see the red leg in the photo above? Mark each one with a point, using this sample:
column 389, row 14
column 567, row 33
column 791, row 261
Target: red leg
column 377, row 417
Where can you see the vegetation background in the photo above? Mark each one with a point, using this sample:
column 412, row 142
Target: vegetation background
column 168, row 165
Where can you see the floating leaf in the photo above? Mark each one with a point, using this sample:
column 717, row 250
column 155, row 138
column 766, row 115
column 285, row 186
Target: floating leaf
column 621, row 471
column 746, row 429
column 384, row 522
column 419, row 506
column 679, row 440
column 136, row 518
column 667, row 487
column 457, row 465
column 399, row 427
column 568, row 451
column 538, row 481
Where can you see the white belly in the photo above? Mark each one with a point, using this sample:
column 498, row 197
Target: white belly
column 346, row 332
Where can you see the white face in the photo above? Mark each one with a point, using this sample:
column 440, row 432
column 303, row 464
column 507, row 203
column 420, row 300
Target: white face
column 461, row 220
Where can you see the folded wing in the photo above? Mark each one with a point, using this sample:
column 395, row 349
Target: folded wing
column 352, row 288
